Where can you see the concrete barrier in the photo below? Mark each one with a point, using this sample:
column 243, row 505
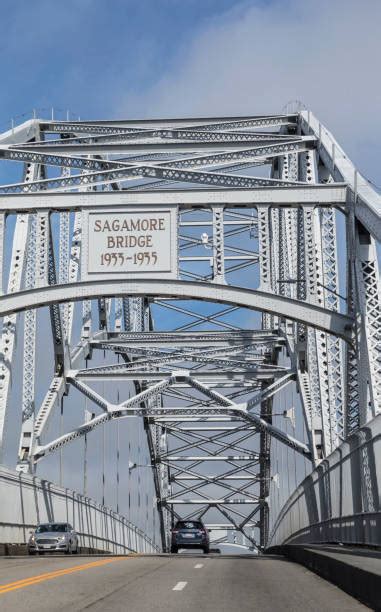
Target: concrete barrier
column 356, row 571
column 340, row 500
column 26, row 500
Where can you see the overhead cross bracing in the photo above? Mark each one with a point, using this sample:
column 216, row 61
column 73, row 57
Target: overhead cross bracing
column 201, row 329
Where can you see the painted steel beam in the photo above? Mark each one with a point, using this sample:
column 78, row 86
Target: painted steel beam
column 211, row 124
column 211, row 501
column 367, row 200
column 194, row 339
column 225, row 429
column 133, row 407
column 246, row 457
column 166, row 146
column 203, row 375
column 298, row 196
column 21, row 133
column 311, row 314
column 215, row 479
column 201, row 123
column 235, row 159
column 176, row 171
column 184, row 134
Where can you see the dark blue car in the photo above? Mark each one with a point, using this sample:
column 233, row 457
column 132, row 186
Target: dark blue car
column 189, row 534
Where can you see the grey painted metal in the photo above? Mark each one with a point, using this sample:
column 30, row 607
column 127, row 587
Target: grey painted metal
column 310, row 314
column 339, row 501
column 202, row 123
column 9, row 325
column 367, row 200
column 319, row 195
column 205, row 388
column 31, row 277
column 103, row 172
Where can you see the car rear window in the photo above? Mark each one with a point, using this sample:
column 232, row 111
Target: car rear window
column 189, row 525
column 60, row 527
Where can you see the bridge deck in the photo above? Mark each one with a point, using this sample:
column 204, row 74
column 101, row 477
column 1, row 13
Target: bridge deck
column 170, row 583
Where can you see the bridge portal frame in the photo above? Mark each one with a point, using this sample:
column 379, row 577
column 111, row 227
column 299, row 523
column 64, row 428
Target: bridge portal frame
column 299, row 293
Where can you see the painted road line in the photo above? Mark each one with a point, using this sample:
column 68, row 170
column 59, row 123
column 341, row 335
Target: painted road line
column 198, row 566
column 25, row 582
column 179, row 586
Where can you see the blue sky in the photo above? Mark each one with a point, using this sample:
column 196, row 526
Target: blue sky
column 80, row 54
column 140, row 58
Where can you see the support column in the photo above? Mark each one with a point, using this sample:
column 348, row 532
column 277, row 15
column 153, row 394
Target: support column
column 74, row 269
column 265, row 258
column 265, row 473
column 27, row 402
column 218, row 245
column 64, row 258
column 9, row 326
column 369, row 345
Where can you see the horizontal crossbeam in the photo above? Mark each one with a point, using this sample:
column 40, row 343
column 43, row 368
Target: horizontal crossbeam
column 317, row 195
column 311, row 314
column 102, row 373
column 211, row 502
column 194, row 339
column 201, row 123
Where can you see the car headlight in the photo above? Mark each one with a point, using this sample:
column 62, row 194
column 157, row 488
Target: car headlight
column 61, row 538
column 32, row 539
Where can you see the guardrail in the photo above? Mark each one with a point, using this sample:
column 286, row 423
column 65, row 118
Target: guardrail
column 340, row 500
column 27, row 500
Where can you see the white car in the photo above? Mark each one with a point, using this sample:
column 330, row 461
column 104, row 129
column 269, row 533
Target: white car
column 53, row 537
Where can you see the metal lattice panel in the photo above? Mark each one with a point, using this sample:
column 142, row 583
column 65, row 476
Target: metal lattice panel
column 202, row 369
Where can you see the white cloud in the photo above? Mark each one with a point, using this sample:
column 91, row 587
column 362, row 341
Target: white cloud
column 254, row 59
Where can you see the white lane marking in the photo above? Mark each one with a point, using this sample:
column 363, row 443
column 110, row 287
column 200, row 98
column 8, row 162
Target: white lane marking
column 179, row 586
column 198, row 566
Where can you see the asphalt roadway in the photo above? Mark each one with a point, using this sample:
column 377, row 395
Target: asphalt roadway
column 170, row 583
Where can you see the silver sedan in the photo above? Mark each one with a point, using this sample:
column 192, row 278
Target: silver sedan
column 53, row 537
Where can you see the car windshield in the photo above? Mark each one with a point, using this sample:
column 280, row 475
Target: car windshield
column 189, row 525
column 60, row 527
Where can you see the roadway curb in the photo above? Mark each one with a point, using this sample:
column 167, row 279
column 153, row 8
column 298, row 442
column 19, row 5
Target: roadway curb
column 20, row 550
column 362, row 584
column 13, row 550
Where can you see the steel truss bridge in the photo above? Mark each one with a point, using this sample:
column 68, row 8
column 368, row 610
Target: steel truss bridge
column 274, row 284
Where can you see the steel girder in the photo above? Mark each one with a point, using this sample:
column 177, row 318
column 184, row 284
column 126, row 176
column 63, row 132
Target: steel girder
column 201, row 123
column 311, row 314
column 23, row 262
column 366, row 199
column 295, row 196
column 205, row 386
column 363, row 279
column 98, row 172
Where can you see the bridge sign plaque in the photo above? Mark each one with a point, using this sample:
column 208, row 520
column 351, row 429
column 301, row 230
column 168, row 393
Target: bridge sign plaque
column 135, row 242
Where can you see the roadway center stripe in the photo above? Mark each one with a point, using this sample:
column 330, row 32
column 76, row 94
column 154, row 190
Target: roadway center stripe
column 179, row 586
column 19, row 584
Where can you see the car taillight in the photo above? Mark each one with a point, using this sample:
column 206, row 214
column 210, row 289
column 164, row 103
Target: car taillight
column 174, row 531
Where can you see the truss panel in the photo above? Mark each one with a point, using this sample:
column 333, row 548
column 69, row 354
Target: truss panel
column 202, row 367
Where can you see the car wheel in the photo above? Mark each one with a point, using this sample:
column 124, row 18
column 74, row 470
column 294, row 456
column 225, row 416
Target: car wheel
column 174, row 549
column 40, row 552
column 206, row 551
column 75, row 552
column 31, row 552
column 68, row 551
